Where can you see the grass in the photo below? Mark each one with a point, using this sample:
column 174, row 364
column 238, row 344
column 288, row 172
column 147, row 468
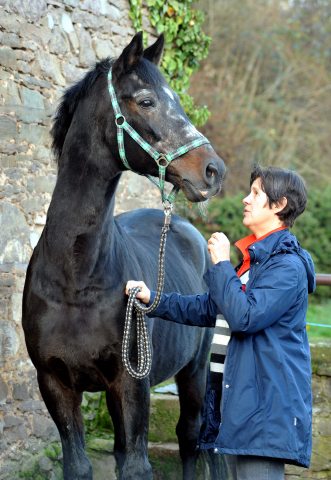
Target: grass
column 319, row 313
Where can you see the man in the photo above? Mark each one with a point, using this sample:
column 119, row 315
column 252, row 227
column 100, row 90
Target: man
column 266, row 408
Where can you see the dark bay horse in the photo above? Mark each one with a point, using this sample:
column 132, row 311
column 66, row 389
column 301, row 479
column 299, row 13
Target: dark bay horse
column 74, row 297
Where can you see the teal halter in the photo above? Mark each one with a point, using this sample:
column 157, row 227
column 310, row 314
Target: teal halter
column 162, row 159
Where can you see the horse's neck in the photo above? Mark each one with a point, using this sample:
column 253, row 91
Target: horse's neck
column 80, row 225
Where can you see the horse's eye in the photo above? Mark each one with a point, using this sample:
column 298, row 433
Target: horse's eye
column 146, row 103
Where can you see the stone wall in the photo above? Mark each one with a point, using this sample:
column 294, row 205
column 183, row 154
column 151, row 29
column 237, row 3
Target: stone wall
column 45, row 45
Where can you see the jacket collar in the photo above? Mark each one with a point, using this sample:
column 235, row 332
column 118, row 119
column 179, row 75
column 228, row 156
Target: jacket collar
column 282, row 241
column 246, row 242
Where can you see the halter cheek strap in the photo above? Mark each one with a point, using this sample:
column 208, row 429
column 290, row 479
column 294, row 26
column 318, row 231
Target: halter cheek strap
column 162, row 159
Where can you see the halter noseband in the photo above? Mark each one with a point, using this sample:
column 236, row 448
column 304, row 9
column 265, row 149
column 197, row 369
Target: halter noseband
column 162, row 159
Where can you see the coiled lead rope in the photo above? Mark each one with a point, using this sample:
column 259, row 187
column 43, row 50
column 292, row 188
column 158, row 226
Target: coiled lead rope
column 143, row 343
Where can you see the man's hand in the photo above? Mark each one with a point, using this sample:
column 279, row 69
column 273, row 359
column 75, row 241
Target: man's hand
column 219, row 247
column 144, row 295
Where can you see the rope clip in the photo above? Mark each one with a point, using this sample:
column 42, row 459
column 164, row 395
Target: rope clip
column 167, row 208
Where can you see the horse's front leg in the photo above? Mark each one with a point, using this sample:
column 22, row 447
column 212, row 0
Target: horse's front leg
column 64, row 406
column 129, row 404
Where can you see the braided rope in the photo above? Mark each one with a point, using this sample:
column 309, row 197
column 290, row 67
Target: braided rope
column 143, row 343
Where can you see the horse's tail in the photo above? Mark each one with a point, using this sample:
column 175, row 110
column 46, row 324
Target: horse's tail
column 212, row 466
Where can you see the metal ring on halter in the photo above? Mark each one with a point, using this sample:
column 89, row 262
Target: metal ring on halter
column 167, row 207
column 162, row 160
column 119, row 118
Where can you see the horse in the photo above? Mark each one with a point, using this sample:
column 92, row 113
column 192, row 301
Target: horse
column 74, row 296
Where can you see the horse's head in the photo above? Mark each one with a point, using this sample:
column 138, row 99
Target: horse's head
column 154, row 111
column 84, row 130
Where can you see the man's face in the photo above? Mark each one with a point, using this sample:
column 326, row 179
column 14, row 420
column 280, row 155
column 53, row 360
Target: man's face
column 258, row 216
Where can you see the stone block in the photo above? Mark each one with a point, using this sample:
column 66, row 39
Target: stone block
column 50, row 66
column 71, row 73
column 32, row 205
column 11, row 94
column 66, row 23
column 36, row 134
column 121, row 4
column 16, row 309
column 29, row 81
column 14, row 235
column 32, row 98
column 320, row 459
column 43, row 426
column 26, row 56
column 9, row 340
column 8, row 127
column 86, row 52
column 163, row 418
column 41, row 152
column 45, row 463
column 13, row 173
column 324, row 370
column 39, row 35
column 12, row 421
column 8, row 58
column 9, row 22
column 93, row 6
column 103, row 465
column 45, row 184
column 87, row 20
column 74, row 41
column 16, row 434
column 8, row 161
column 326, row 385
column 31, row 406
column 10, row 40
column 29, row 9
column 71, row 3
column 20, row 391
column 103, row 48
column 321, row 351
column 3, row 391
column 59, row 43
column 112, row 12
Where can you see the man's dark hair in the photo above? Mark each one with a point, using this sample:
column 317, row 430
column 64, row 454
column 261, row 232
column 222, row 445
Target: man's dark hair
column 278, row 183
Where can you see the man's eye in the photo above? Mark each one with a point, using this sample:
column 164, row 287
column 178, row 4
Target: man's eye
column 146, row 103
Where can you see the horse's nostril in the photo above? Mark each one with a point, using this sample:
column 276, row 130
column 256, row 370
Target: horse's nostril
column 211, row 171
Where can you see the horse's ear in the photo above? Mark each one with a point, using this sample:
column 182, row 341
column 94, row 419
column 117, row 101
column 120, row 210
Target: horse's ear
column 154, row 52
column 131, row 56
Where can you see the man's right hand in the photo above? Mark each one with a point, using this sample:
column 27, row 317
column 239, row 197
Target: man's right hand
column 144, row 295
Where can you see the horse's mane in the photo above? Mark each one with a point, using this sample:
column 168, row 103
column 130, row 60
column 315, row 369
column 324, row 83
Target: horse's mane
column 69, row 103
column 82, row 88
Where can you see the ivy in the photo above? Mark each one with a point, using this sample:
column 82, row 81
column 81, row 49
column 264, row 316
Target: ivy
column 185, row 45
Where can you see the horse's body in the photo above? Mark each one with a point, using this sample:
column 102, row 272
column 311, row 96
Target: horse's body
column 74, row 300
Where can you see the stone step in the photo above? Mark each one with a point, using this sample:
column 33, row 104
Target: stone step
column 164, row 458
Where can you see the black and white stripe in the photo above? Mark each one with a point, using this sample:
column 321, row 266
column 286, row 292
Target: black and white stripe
column 221, row 338
column 219, row 345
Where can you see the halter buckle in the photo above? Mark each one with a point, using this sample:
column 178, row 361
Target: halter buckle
column 121, row 118
column 162, row 160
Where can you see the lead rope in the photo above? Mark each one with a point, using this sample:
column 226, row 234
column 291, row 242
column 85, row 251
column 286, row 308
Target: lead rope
column 144, row 349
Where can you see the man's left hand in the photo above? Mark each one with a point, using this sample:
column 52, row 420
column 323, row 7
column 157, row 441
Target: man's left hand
column 219, row 247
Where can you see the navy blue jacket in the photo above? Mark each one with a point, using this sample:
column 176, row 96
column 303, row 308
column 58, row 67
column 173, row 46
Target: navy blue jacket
column 266, row 406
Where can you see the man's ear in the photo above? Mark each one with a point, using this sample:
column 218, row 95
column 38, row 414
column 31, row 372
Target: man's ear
column 278, row 207
column 155, row 51
column 131, row 56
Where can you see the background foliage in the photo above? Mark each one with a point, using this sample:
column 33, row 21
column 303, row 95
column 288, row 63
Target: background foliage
column 267, row 83
column 185, row 45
